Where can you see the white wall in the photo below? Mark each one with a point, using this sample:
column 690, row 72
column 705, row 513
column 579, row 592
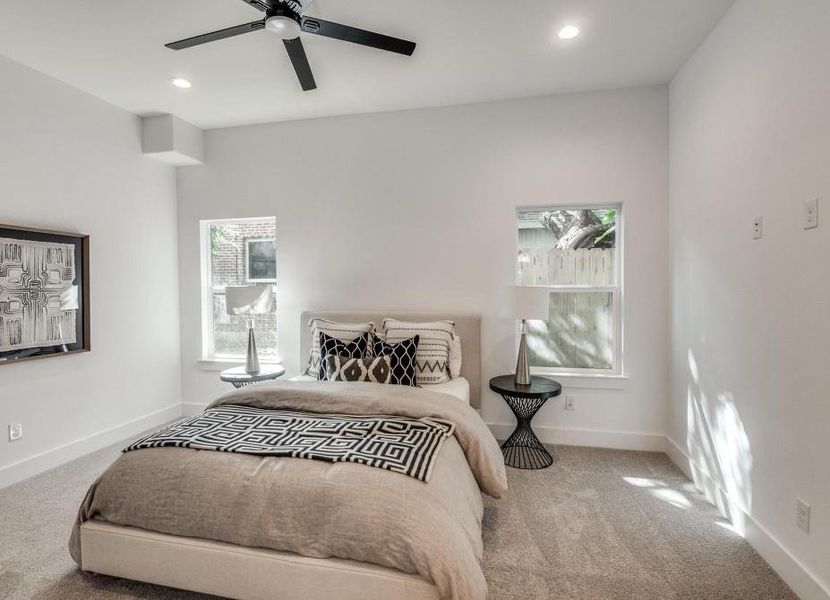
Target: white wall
column 416, row 210
column 750, row 136
column 71, row 162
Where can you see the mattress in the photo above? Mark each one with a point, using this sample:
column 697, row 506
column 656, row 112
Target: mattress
column 457, row 388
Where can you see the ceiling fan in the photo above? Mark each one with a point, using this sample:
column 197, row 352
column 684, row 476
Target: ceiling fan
column 285, row 19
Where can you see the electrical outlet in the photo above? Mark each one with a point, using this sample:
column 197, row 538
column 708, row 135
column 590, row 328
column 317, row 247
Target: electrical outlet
column 802, row 515
column 811, row 214
column 569, row 403
column 757, row 228
column 15, row 432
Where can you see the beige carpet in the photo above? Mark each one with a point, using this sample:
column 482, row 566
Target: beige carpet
column 598, row 524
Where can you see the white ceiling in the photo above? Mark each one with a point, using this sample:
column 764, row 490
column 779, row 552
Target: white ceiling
column 468, row 51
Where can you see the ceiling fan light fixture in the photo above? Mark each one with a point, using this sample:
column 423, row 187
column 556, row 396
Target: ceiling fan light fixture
column 283, row 26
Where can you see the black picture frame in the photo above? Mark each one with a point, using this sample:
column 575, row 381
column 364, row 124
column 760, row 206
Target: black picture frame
column 27, row 289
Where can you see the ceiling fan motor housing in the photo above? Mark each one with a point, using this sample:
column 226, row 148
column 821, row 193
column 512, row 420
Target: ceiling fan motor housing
column 298, row 6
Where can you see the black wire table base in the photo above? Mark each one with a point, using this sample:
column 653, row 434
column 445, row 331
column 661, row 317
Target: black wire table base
column 523, row 450
column 241, row 384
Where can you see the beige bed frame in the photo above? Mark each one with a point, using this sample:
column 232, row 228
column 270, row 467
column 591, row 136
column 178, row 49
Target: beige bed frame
column 244, row 573
column 238, row 572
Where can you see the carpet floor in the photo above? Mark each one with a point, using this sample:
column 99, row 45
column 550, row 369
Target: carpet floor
column 597, row 525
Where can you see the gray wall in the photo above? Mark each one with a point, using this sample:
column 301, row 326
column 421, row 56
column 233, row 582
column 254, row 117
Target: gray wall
column 416, row 210
column 750, row 135
column 71, row 162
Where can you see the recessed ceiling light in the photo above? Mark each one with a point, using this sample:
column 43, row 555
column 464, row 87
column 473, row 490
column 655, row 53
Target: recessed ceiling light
column 181, row 82
column 568, row 32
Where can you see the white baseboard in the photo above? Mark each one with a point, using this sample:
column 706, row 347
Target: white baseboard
column 797, row 575
column 620, row 440
column 55, row 457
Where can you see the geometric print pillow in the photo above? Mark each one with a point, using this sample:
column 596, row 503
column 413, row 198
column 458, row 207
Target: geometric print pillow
column 332, row 346
column 432, row 360
column 401, row 356
column 342, row 331
column 343, row 368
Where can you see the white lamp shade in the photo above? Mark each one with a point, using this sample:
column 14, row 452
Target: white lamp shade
column 249, row 299
column 527, row 302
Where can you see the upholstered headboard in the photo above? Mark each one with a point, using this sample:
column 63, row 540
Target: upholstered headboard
column 467, row 326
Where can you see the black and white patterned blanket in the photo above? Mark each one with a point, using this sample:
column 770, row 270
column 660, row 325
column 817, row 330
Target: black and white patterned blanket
column 400, row 444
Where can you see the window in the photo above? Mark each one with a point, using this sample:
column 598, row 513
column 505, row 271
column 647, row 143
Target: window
column 575, row 252
column 237, row 252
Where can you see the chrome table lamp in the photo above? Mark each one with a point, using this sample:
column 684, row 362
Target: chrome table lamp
column 250, row 300
column 526, row 303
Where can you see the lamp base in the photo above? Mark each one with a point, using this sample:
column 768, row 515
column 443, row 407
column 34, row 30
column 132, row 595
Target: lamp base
column 251, row 359
column 522, row 366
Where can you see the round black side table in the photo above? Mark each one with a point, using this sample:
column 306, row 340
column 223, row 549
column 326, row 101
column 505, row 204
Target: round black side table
column 523, row 450
column 239, row 378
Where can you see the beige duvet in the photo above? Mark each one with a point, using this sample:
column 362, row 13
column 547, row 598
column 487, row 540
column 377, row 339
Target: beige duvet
column 316, row 508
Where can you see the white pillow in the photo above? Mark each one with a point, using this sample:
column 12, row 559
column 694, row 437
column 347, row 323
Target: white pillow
column 455, row 357
column 432, row 359
column 346, row 332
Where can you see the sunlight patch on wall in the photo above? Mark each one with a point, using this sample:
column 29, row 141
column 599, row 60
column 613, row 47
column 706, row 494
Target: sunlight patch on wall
column 719, row 446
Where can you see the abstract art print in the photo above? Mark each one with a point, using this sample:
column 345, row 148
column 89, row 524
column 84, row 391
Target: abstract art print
column 44, row 293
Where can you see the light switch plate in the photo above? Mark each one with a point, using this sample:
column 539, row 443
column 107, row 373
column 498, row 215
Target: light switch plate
column 757, row 228
column 811, row 214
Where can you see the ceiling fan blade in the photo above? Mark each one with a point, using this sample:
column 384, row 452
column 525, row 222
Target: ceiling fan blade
column 357, row 36
column 217, row 35
column 296, row 52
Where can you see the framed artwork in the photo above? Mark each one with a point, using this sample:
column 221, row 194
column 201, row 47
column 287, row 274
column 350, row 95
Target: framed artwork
column 44, row 294
column 260, row 260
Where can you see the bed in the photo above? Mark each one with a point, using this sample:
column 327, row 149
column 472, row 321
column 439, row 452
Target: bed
column 264, row 527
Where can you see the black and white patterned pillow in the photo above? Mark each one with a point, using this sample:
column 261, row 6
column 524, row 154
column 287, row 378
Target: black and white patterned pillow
column 402, row 356
column 342, row 331
column 343, row 368
column 332, row 346
column 432, row 361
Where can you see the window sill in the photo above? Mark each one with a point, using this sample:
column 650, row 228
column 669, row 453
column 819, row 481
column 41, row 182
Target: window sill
column 220, row 364
column 589, row 381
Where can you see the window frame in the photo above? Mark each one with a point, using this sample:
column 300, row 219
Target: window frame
column 208, row 290
column 617, row 291
column 248, row 260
